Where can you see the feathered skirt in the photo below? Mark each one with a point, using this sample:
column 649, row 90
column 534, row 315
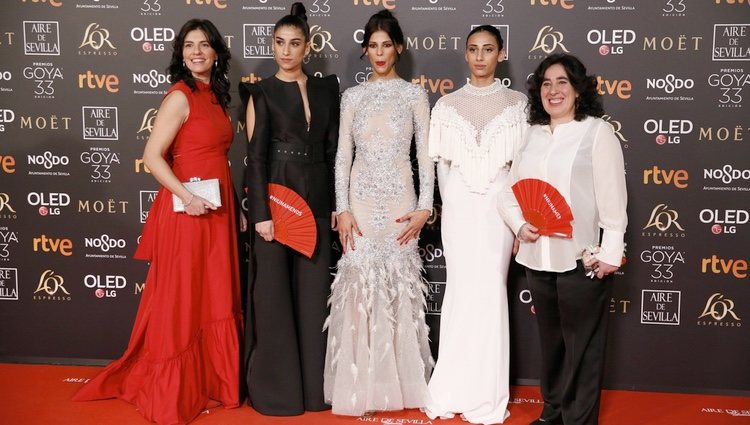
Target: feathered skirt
column 378, row 356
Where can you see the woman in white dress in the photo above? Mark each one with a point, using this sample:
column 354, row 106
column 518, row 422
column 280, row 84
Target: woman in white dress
column 378, row 357
column 474, row 134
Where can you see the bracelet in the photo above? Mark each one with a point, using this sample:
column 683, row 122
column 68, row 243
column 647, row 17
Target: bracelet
column 192, row 196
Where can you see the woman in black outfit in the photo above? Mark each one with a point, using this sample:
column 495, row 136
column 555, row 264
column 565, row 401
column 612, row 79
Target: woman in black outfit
column 292, row 126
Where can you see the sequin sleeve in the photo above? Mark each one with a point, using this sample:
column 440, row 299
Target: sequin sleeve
column 421, row 119
column 344, row 153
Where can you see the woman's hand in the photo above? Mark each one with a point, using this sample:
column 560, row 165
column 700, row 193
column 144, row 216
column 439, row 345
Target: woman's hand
column 416, row 220
column 265, row 230
column 334, row 221
column 197, row 206
column 346, row 225
column 528, row 233
column 243, row 222
column 603, row 269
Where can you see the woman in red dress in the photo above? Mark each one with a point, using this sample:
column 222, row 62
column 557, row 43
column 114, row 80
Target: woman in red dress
column 183, row 353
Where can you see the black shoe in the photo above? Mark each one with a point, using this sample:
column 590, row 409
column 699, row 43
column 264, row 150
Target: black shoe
column 557, row 420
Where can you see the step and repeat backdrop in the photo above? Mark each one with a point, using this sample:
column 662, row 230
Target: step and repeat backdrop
column 81, row 82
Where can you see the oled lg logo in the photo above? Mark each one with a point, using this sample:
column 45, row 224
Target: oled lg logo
column 7, row 116
column 105, row 285
column 668, row 131
column 152, row 39
column 49, row 203
column 724, row 221
column 611, row 42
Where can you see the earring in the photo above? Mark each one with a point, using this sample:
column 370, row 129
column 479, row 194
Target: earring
column 216, row 63
column 184, row 65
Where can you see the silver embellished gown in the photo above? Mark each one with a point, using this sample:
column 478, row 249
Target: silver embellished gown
column 378, row 357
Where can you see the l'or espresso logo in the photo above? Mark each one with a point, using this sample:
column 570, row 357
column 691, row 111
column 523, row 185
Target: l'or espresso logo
column 51, row 287
column 321, row 45
column 152, row 39
column 674, row 8
column 147, row 124
column 48, row 164
column 7, row 116
column 101, row 160
column 218, row 4
column 723, row 134
column 147, row 198
column 100, row 123
column 660, row 176
column 736, row 268
column 660, row 307
column 7, row 238
column 41, row 38
column 611, row 42
column 667, row 131
column 681, row 43
column 43, row 75
column 6, row 209
column 724, row 221
column 50, row 203
column 96, row 42
column 105, row 285
column 663, row 260
column 386, row 4
column 44, row 243
column 719, row 311
column 663, row 222
column 617, row 129
column 731, row 42
column 565, row 4
column 105, row 206
column 548, row 41
column 8, row 284
column 730, row 82
column 619, row 88
column 257, row 40
column 105, row 246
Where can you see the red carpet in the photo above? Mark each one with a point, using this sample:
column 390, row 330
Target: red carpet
column 40, row 394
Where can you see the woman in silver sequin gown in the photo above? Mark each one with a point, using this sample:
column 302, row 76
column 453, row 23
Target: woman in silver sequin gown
column 378, row 357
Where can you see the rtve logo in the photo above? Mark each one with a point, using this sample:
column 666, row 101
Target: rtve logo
column 732, row 2
column 53, row 3
column 7, row 164
column 658, row 176
column 110, row 82
column 716, row 265
column 621, row 88
column 565, row 4
column 438, row 85
column 219, row 4
column 387, row 4
column 59, row 245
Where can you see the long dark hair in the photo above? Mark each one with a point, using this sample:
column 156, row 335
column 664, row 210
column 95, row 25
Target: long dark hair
column 383, row 21
column 490, row 29
column 589, row 103
column 296, row 18
column 179, row 72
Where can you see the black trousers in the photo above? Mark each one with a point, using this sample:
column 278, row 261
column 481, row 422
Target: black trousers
column 572, row 316
column 285, row 345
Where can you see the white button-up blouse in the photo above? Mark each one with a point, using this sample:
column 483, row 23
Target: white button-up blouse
column 584, row 161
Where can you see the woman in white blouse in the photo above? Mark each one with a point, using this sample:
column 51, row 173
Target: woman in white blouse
column 474, row 134
column 571, row 148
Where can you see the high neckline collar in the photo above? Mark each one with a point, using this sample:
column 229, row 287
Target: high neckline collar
column 483, row 91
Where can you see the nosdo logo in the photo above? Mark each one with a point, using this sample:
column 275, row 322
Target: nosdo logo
column 219, row 4
column 48, row 160
column 668, row 131
column 726, row 174
column 387, row 4
column 725, row 221
column 430, row 253
column 153, row 39
column 565, row 4
column 105, row 243
column 610, row 41
column 152, row 78
column 670, row 83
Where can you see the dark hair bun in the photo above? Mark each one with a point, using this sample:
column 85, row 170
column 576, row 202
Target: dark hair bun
column 298, row 10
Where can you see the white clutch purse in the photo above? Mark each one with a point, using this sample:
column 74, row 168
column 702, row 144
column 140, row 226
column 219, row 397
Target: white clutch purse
column 207, row 189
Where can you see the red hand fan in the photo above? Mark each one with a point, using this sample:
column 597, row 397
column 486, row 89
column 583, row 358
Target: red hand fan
column 544, row 207
column 293, row 221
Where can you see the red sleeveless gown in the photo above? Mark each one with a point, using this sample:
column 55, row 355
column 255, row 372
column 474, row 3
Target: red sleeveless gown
column 184, row 347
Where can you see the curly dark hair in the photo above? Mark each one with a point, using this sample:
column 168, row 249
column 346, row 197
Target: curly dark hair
column 219, row 81
column 589, row 103
column 383, row 21
column 297, row 18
